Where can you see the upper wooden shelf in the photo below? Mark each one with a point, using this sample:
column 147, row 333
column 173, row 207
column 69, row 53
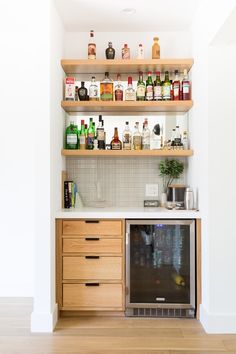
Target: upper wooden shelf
column 130, row 153
column 72, row 66
column 126, row 106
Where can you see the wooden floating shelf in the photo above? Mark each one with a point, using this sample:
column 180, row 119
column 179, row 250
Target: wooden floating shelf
column 71, row 66
column 126, row 106
column 130, row 153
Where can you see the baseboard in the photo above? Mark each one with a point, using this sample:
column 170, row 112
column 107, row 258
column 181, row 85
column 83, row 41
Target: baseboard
column 44, row 322
column 217, row 323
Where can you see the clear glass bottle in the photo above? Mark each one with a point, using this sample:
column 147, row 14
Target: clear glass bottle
column 106, row 88
column 157, row 87
column 110, row 51
column 176, row 87
column 116, row 143
column 93, row 90
column 177, row 136
column 186, row 87
column 72, row 137
column 130, row 92
column 137, row 138
column 82, row 92
column 119, row 90
column 141, row 88
column 125, row 52
column 166, row 87
column 100, row 134
column 155, row 49
column 82, row 136
column 185, row 141
column 140, row 52
column 149, row 87
column 91, row 135
column 91, row 46
column 127, row 137
column 145, row 136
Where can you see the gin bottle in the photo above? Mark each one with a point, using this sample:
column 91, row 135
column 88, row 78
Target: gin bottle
column 137, row 138
column 146, row 136
column 127, row 137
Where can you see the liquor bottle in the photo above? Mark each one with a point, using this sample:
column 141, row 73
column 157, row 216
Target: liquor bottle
column 186, row 86
column 92, row 46
column 90, row 135
column 140, row 52
column 93, row 90
column 125, row 52
column 157, row 87
column 110, row 52
column 185, row 140
column 82, row 136
column 156, row 138
column 86, row 134
column 171, row 90
column 127, row 137
column 176, row 86
column 76, row 93
column 69, row 88
column 149, row 87
column 155, row 49
column 106, row 88
column 166, row 87
column 130, row 92
column 116, row 143
column 82, row 92
column 141, row 88
column 137, row 138
column 100, row 134
column 177, row 136
column 146, row 136
column 173, row 137
column 119, row 89
column 72, row 137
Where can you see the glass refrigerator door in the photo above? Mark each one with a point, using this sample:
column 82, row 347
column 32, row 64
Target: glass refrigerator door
column 161, row 262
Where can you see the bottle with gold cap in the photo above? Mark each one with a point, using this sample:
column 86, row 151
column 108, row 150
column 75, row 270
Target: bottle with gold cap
column 155, row 48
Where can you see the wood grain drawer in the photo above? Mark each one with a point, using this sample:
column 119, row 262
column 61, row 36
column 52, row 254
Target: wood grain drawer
column 92, row 227
column 100, row 296
column 102, row 268
column 92, row 245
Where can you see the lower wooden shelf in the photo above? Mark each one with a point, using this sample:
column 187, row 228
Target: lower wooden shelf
column 120, row 153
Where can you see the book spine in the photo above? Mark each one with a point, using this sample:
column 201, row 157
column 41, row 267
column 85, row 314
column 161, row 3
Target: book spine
column 66, row 195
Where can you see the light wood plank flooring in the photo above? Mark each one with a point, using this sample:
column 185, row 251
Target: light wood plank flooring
column 106, row 335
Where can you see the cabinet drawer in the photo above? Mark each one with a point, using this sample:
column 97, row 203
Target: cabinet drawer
column 92, row 296
column 92, row 245
column 103, row 268
column 92, row 227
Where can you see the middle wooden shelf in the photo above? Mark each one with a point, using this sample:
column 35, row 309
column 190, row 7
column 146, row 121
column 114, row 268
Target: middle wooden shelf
column 135, row 153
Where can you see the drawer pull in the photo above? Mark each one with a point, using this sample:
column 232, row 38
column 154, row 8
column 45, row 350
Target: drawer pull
column 92, row 284
column 92, row 257
column 92, row 221
column 92, row 238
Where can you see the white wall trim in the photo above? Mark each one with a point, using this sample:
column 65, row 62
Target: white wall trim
column 44, row 322
column 217, row 323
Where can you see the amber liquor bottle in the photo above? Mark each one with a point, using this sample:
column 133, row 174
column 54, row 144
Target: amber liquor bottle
column 116, row 143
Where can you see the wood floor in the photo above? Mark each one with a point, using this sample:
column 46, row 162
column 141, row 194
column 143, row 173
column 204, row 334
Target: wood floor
column 90, row 335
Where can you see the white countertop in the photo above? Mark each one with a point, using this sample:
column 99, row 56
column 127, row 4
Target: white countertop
column 126, row 213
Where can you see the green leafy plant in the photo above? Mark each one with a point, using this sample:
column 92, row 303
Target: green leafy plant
column 169, row 171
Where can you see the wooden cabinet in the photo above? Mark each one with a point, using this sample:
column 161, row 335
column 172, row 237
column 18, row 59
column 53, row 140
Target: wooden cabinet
column 90, row 265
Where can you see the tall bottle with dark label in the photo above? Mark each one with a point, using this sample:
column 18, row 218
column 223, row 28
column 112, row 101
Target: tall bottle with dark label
column 101, row 134
column 116, row 143
column 149, row 87
column 72, row 137
column 91, row 135
column 91, row 46
column 140, row 93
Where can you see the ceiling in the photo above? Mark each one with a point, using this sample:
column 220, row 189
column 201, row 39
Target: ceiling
column 107, row 15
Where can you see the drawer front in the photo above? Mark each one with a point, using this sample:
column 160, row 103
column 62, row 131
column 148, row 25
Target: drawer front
column 102, row 268
column 91, row 297
column 92, row 227
column 92, row 245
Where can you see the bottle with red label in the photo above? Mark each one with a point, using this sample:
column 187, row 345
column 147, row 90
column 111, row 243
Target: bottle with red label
column 186, row 87
column 176, row 87
column 149, row 87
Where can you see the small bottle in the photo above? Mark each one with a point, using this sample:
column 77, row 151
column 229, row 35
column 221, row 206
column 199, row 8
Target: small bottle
column 82, row 92
column 72, row 136
column 125, row 52
column 127, row 137
column 110, row 52
column 166, row 87
column 92, row 46
column 149, row 87
column 141, row 88
column 119, row 89
column 91, row 135
column 156, row 138
column 146, row 136
column 157, row 87
column 130, row 92
column 116, row 143
column 82, row 136
column 137, row 138
column 106, row 88
column 100, row 134
column 186, row 87
column 140, row 52
column 93, row 90
column 176, row 87
column 185, row 140
column 76, row 93
column 155, row 49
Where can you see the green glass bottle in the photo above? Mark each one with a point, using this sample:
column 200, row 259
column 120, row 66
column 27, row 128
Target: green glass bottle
column 140, row 93
column 166, row 87
column 72, row 137
column 91, row 134
column 149, row 87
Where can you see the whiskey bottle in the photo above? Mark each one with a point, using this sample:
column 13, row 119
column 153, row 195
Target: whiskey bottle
column 106, row 88
column 149, row 87
column 155, row 49
column 92, row 46
column 110, row 52
column 137, row 138
column 82, row 92
column 140, row 93
column 125, row 52
column 146, row 136
column 100, row 134
column 116, row 143
column 119, row 89
column 127, row 137
column 82, row 136
column 91, row 135
column 130, row 92
column 166, row 87
column 176, row 87
column 93, row 90
column 186, row 86
column 72, row 137
column 157, row 87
